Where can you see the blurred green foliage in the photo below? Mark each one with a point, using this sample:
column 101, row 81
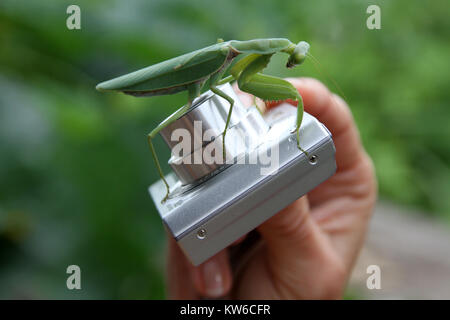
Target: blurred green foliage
column 74, row 164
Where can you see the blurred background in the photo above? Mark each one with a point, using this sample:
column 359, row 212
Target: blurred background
column 75, row 166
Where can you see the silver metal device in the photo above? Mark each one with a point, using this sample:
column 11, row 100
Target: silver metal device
column 214, row 203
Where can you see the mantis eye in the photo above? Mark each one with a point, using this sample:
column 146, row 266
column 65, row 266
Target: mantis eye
column 298, row 55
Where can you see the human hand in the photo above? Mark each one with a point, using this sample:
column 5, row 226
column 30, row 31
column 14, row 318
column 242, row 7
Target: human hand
column 309, row 248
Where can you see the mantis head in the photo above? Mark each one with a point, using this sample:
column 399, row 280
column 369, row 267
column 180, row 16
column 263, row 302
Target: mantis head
column 298, row 55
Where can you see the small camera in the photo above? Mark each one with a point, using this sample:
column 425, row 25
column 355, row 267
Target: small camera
column 221, row 189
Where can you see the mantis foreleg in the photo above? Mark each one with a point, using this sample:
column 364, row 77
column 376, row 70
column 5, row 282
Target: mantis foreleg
column 225, row 80
column 269, row 87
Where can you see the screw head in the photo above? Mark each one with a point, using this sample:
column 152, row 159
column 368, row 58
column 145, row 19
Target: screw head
column 201, row 234
column 313, row 159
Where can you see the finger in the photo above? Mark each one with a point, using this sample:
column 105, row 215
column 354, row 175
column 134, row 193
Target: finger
column 212, row 279
column 353, row 188
column 355, row 169
column 179, row 286
column 293, row 238
column 334, row 113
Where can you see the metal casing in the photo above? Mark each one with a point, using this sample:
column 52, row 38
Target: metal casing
column 208, row 217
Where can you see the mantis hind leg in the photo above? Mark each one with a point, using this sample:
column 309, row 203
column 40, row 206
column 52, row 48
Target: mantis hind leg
column 231, row 101
column 152, row 135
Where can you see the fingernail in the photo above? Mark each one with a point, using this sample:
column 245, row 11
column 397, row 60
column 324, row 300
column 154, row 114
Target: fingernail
column 213, row 278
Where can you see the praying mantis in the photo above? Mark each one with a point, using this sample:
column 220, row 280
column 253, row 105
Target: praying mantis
column 205, row 69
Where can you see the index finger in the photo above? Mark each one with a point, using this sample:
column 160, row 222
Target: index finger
column 334, row 113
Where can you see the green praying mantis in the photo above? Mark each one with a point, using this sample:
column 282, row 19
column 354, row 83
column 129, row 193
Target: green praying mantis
column 205, row 68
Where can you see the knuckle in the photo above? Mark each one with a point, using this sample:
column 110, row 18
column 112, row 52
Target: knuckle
column 291, row 223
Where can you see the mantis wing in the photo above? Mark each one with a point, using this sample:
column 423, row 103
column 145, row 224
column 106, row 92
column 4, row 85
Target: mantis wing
column 172, row 75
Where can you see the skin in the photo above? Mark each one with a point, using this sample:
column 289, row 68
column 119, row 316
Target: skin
column 308, row 249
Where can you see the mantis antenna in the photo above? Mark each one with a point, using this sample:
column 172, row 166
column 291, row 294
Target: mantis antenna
column 324, row 74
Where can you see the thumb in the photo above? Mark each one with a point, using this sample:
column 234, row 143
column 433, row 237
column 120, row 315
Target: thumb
column 292, row 235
